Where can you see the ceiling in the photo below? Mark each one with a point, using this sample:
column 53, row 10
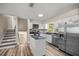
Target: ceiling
column 48, row 9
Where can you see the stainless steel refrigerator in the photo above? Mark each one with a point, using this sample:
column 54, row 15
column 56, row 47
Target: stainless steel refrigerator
column 70, row 42
column 72, row 39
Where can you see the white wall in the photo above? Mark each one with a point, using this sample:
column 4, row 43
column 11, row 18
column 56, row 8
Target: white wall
column 6, row 22
column 11, row 22
column 3, row 26
column 22, row 24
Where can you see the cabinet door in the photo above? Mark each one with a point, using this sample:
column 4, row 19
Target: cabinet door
column 49, row 38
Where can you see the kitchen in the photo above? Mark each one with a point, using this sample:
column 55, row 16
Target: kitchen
column 62, row 33
column 41, row 29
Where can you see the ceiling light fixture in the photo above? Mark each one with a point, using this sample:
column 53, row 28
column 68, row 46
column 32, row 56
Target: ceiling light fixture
column 40, row 15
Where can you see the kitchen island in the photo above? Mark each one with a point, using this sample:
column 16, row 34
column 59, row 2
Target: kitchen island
column 37, row 45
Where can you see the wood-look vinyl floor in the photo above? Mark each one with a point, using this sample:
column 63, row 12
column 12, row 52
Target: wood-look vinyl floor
column 23, row 50
column 53, row 51
column 19, row 50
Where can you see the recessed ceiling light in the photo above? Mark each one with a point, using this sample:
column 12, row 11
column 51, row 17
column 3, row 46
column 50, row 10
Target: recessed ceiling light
column 40, row 15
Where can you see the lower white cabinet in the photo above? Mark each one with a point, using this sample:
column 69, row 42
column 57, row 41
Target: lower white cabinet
column 49, row 38
column 37, row 46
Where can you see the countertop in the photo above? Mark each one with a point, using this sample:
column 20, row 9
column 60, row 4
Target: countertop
column 37, row 37
column 56, row 33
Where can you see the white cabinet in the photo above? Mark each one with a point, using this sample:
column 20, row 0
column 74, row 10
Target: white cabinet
column 49, row 38
column 37, row 46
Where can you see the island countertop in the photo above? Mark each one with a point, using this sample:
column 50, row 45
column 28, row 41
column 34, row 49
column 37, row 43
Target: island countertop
column 37, row 37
